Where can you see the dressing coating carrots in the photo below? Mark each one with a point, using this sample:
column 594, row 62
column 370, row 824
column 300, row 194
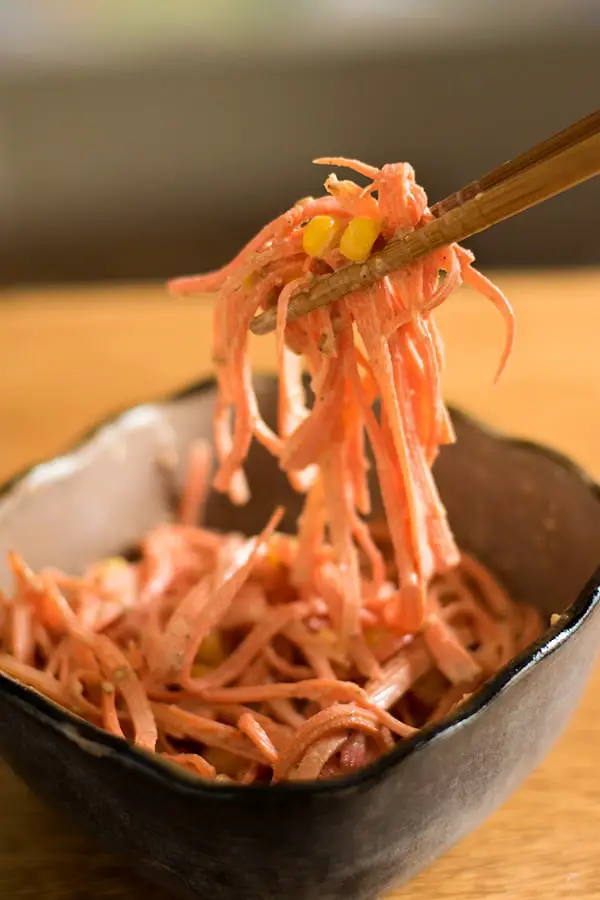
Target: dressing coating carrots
column 293, row 657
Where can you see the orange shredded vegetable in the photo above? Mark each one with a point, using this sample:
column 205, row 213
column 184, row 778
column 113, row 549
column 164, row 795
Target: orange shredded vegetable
column 293, row 657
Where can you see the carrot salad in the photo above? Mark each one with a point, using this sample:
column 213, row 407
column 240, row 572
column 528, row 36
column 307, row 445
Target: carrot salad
column 305, row 656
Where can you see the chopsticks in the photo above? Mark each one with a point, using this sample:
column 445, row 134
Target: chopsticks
column 549, row 168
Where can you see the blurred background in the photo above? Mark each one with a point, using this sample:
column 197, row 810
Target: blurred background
column 142, row 139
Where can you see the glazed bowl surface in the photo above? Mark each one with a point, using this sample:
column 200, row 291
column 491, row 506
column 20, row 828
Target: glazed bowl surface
column 523, row 510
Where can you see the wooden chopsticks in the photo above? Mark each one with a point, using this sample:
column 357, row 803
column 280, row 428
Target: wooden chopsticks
column 555, row 165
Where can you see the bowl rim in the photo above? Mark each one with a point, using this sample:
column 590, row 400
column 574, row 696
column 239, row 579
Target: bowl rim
column 100, row 743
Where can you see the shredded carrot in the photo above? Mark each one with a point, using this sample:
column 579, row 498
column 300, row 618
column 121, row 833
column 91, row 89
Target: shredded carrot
column 249, row 725
column 194, row 494
column 308, row 656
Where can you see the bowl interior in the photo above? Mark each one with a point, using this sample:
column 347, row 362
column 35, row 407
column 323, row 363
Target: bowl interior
column 531, row 517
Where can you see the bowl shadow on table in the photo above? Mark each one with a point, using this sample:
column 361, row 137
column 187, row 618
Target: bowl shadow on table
column 532, row 518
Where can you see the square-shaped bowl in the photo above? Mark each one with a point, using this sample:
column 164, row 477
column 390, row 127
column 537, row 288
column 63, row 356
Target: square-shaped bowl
column 525, row 511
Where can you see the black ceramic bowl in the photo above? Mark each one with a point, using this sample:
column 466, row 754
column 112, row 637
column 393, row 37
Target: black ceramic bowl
column 527, row 513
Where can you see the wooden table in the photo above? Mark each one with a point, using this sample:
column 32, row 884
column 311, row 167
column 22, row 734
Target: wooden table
column 69, row 357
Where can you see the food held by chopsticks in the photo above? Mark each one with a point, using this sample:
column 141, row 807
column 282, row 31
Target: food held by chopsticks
column 305, row 656
column 547, row 169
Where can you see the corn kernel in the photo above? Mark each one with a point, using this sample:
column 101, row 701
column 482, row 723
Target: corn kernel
column 374, row 635
column 224, row 762
column 319, row 235
column 211, row 651
column 116, row 562
column 275, row 550
column 103, row 569
column 358, row 238
column 329, row 637
column 273, row 558
column 199, row 670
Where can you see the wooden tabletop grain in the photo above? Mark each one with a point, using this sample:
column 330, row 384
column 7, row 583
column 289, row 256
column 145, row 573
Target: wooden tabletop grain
column 69, row 357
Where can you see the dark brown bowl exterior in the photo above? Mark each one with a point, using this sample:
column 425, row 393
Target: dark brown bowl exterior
column 526, row 512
